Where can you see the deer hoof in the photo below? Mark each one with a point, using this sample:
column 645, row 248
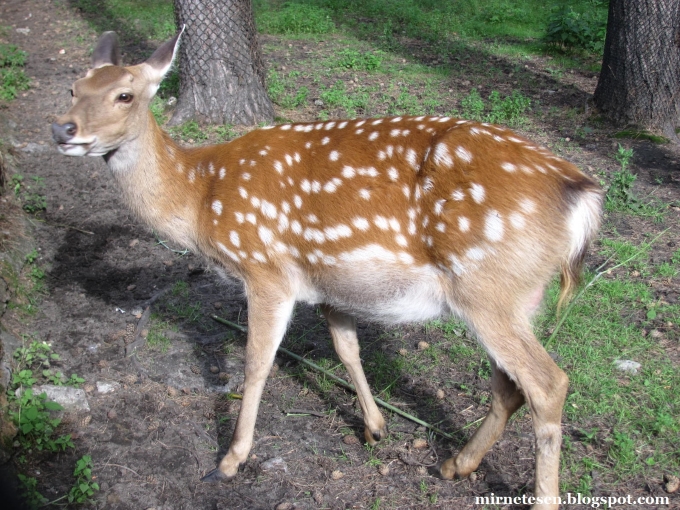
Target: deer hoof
column 216, row 476
column 372, row 437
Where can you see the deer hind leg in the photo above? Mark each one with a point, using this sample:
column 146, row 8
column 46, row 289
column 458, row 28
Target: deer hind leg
column 344, row 334
column 268, row 316
column 520, row 360
column 505, row 400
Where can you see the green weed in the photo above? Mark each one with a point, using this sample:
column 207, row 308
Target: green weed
column 570, row 29
column 189, row 132
column 282, row 90
column 357, row 61
column 84, row 488
column 620, row 195
column 337, row 96
column 509, row 110
column 29, row 193
column 29, row 492
column 36, row 427
column 12, row 77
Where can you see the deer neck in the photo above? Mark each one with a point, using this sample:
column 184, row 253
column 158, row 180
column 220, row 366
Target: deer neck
column 150, row 171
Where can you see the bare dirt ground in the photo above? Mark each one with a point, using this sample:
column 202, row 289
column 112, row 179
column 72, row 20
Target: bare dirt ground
column 168, row 420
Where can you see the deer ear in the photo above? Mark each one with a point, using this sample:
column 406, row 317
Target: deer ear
column 162, row 59
column 107, row 52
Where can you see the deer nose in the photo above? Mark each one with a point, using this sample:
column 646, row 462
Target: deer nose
column 62, row 133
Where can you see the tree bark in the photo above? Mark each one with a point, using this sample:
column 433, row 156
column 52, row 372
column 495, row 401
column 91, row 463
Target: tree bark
column 222, row 77
column 640, row 79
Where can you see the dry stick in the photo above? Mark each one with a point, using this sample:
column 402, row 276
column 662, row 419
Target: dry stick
column 342, row 382
column 599, row 273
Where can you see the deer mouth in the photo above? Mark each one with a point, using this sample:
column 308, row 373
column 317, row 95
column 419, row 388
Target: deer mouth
column 79, row 148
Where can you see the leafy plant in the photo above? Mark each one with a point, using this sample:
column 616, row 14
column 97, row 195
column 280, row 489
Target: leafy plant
column 29, row 488
column 84, row 488
column 572, row 30
column 37, row 353
column 472, row 105
column 509, row 110
column 352, row 59
column 36, row 427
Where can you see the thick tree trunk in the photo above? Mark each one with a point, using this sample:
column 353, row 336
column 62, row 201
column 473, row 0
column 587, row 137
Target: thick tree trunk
column 640, row 79
column 222, row 79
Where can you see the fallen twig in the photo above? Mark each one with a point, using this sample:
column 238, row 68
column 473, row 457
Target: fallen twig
column 342, row 382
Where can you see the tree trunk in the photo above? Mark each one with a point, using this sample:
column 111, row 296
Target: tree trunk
column 640, row 79
column 222, row 78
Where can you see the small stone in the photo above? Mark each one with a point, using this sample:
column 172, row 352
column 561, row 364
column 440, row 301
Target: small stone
column 440, row 394
column 672, row 483
column 284, row 506
column 318, row 102
column 473, row 477
column 419, row 443
column 655, row 333
column 275, row 464
column 131, row 287
column 422, row 345
column 172, row 392
column 144, row 333
column 104, row 387
column 217, row 305
column 168, row 263
column 112, row 414
column 337, row 474
column 89, row 388
column 224, row 376
column 422, row 470
column 130, row 378
column 133, row 243
column 351, row 439
column 384, row 470
column 274, row 370
column 186, row 391
column 214, row 369
column 403, row 352
column 628, row 366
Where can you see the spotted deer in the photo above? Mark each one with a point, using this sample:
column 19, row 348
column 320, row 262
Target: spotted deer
column 392, row 220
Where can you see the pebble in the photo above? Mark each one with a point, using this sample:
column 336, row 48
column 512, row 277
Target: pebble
column 672, row 483
column 403, row 352
column 284, row 506
column 224, row 376
column 172, row 391
column 422, row 345
column 337, row 474
column 112, row 414
column 628, row 366
column 131, row 287
column 440, row 394
column 384, row 470
column 104, row 387
column 214, row 369
column 275, row 464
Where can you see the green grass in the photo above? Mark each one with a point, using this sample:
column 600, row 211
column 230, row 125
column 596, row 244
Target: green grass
column 148, row 20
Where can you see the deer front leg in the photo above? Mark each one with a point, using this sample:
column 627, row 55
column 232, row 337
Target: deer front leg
column 268, row 316
column 344, row 332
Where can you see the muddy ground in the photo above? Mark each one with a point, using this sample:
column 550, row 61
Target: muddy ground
column 168, row 420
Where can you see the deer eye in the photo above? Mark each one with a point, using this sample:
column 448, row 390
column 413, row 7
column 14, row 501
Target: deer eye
column 125, row 98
